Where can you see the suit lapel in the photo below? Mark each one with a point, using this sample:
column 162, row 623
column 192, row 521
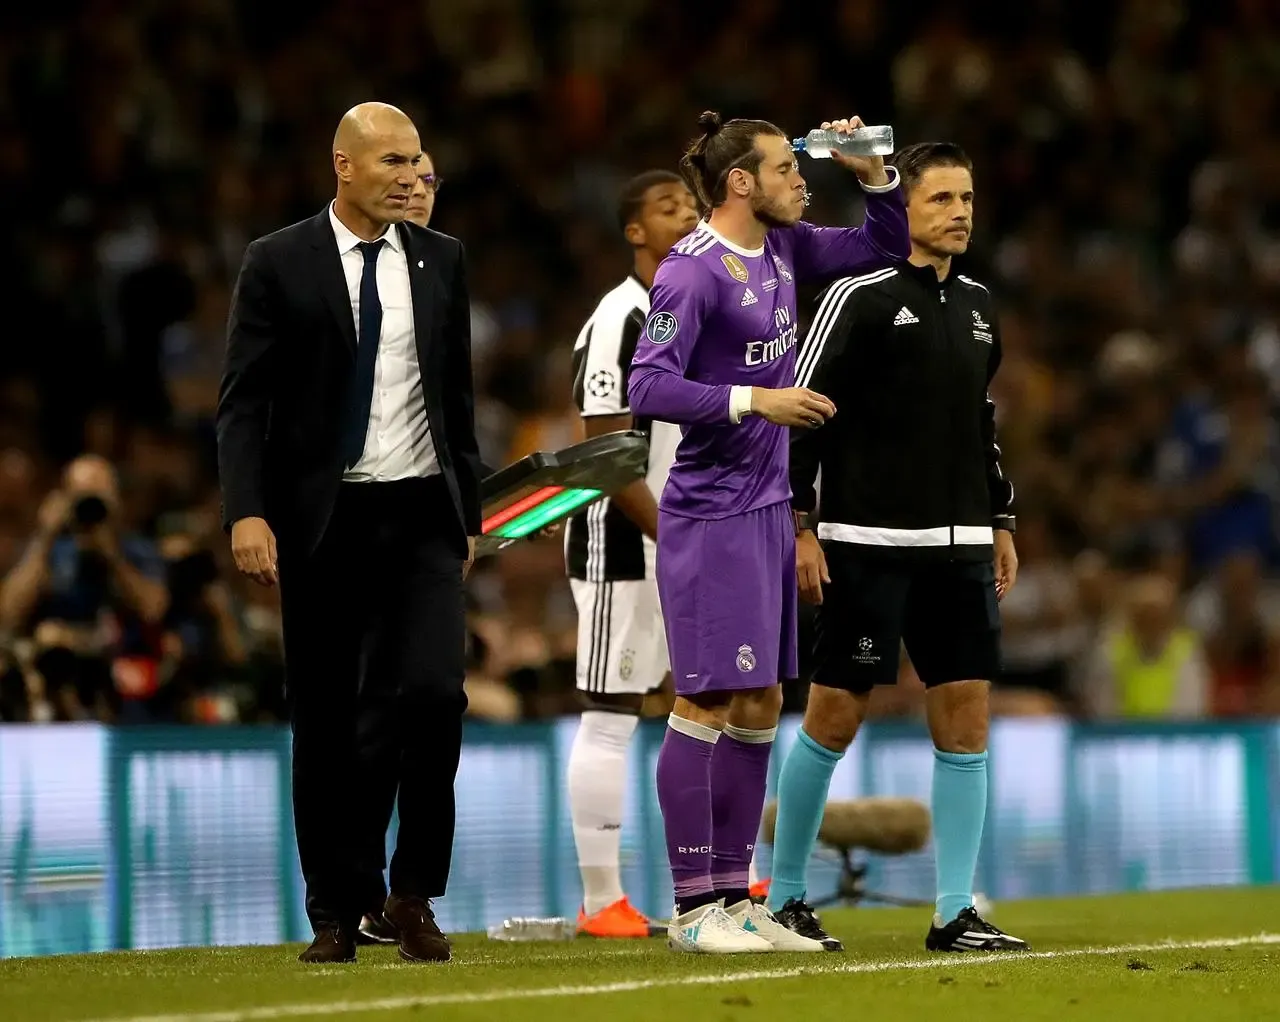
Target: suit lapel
column 426, row 290
column 331, row 280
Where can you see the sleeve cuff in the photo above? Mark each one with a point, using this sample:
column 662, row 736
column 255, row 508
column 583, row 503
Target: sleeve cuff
column 877, row 189
column 1009, row 523
column 739, row 403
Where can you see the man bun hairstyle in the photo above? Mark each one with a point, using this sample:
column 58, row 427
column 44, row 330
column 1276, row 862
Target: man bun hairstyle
column 913, row 160
column 631, row 198
column 723, row 146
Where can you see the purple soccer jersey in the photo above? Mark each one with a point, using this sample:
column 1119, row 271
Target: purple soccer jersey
column 722, row 316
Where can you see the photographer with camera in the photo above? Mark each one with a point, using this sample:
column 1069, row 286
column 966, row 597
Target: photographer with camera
column 203, row 643
column 103, row 587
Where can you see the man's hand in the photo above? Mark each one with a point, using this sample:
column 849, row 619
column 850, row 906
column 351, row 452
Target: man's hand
column 1006, row 563
column 471, row 557
column 54, row 512
column 253, row 545
column 811, row 567
column 870, row 169
column 792, row 406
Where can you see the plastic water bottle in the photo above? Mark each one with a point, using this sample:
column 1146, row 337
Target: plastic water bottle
column 872, row 140
column 521, row 928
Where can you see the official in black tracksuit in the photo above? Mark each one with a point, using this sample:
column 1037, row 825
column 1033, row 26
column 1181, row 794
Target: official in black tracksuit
column 912, row 542
column 913, row 494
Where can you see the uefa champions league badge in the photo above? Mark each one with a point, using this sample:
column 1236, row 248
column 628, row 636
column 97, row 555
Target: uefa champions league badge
column 602, row 383
column 662, row 327
column 746, row 658
column 981, row 328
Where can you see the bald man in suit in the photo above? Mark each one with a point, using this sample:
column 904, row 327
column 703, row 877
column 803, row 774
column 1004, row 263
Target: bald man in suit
column 351, row 477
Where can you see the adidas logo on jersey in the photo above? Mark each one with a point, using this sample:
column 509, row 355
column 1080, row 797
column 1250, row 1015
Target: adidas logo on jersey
column 749, row 297
column 904, row 317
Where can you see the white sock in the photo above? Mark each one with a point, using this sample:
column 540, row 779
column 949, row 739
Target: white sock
column 597, row 780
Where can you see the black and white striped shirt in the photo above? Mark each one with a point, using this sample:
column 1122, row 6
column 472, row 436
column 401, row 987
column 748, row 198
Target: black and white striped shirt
column 602, row 544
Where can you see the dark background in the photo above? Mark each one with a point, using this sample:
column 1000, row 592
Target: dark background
column 1128, row 179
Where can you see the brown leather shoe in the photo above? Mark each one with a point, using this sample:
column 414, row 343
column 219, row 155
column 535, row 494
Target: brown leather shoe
column 420, row 937
column 333, row 944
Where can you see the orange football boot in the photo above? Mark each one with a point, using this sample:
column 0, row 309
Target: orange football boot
column 619, row 920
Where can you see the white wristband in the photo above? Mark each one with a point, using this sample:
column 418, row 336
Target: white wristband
column 739, row 403
column 893, row 182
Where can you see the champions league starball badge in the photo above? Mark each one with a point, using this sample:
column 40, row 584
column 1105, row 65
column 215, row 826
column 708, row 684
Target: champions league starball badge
column 602, row 383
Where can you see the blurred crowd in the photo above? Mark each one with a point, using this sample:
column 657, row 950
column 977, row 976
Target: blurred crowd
column 1128, row 211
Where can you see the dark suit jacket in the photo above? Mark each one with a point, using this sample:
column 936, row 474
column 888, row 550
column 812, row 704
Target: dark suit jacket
column 291, row 353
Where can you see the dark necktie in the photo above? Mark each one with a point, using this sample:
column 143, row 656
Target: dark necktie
column 361, row 397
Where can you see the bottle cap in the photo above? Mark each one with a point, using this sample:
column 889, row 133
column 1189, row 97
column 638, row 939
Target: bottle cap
column 798, row 145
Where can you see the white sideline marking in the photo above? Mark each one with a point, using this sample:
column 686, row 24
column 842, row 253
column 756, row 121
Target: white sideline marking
column 947, row 961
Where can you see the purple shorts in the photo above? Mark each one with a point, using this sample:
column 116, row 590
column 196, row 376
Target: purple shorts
column 728, row 592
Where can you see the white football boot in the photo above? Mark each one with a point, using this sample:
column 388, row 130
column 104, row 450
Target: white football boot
column 708, row 930
column 758, row 920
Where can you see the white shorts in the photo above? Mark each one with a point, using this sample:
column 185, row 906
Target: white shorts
column 622, row 648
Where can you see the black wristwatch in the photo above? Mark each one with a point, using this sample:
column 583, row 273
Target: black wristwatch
column 1009, row 523
column 804, row 520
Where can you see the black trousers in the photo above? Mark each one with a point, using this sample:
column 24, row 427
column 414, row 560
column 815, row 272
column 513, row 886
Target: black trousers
column 374, row 637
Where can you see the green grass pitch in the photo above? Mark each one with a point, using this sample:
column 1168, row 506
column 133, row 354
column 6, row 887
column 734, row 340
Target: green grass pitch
column 1203, row 955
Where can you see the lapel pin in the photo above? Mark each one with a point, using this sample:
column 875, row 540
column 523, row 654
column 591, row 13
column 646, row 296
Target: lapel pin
column 419, row 264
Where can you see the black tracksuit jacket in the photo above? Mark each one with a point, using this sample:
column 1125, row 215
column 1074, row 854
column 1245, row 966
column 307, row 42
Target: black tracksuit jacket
column 910, row 465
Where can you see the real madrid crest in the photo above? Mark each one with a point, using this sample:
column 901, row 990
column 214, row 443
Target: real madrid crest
column 734, row 265
column 746, row 658
column 626, row 664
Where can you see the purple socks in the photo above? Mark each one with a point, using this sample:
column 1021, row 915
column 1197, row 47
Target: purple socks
column 684, row 794
column 711, row 790
column 739, row 776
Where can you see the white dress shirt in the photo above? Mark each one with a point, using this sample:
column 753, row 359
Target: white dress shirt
column 398, row 444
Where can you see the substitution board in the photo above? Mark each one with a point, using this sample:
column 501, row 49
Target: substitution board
column 546, row 487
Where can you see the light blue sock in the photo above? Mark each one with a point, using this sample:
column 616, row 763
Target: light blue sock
column 802, row 796
column 959, row 810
